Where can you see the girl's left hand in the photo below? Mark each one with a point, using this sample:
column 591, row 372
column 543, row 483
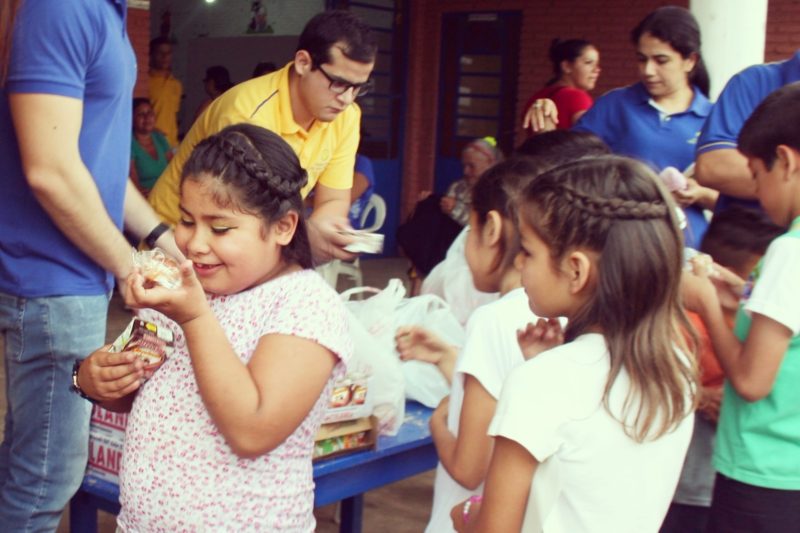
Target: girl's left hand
column 540, row 337
column 182, row 305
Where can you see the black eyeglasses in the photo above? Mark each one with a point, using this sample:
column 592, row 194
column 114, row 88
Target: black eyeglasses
column 339, row 86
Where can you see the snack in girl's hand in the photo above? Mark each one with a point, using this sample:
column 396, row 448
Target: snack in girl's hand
column 674, row 179
column 151, row 343
column 694, row 261
column 158, row 267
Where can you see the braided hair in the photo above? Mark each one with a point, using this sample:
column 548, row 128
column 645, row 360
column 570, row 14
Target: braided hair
column 258, row 172
column 617, row 208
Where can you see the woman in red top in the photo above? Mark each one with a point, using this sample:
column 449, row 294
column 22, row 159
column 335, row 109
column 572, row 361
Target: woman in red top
column 576, row 67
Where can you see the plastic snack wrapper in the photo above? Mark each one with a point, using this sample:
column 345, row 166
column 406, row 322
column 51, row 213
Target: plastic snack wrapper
column 674, row 179
column 365, row 242
column 158, row 267
column 153, row 344
column 694, row 260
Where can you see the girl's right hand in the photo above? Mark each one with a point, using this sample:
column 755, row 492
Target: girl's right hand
column 541, row 116
column 182, row 305
column 106, row 376
column 414, row 342
column 540, row 337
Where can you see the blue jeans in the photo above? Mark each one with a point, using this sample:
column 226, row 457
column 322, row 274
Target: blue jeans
column 44, row 452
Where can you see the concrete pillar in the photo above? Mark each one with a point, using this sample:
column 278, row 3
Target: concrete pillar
column 734, row 35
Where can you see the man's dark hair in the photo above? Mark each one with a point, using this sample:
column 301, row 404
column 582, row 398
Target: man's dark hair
column 158, row 41
column 338, row 26
column 775, row 121
column 736, row 234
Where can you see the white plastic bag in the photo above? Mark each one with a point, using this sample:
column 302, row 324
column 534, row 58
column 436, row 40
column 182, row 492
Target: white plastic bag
column 387, row 382
column 424, row 382
column 386, row 311
column 452, row 281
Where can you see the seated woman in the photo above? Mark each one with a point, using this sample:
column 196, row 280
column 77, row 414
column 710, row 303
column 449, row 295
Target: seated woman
column 576, row 68
column 150, row 150
column 437, row 220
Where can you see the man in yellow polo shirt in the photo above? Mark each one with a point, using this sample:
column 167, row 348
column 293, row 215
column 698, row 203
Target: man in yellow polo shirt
column 164, row 89
column 310, row 104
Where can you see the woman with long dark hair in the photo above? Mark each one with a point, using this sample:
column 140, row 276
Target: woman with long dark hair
column 658, row 119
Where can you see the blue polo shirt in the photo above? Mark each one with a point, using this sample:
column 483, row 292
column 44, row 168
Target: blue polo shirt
column 76, row 49
column 737, row 101
column 630, row 124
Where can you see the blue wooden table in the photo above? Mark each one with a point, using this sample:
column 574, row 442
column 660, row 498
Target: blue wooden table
column 345, row 478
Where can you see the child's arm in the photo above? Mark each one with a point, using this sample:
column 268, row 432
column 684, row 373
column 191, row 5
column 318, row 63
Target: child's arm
column 752, row 366
column 414, row 342
column 466, row 457
column 505, row 495
column 255, row 406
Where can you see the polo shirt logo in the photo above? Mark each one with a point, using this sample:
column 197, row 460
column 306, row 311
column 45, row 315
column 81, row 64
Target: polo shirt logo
column 320, row 163
column 693, row 140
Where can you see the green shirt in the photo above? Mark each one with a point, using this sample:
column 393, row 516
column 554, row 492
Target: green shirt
column 758, row 443
column 147, row 168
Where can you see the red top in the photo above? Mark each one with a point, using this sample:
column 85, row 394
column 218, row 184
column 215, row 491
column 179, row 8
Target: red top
column 568, row 100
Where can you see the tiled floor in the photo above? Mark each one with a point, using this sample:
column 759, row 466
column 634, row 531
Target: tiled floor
column 399, row 508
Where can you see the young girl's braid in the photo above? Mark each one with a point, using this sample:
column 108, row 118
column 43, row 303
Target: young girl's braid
column 613, row 208
column 249, row 160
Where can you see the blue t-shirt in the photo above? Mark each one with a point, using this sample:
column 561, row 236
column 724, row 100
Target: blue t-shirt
column 76, row 49
column 630, row 124
column 738, row 100
column 364, row 166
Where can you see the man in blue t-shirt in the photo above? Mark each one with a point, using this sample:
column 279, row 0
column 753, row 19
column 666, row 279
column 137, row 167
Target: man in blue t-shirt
column 719, row 164
column 65, row 134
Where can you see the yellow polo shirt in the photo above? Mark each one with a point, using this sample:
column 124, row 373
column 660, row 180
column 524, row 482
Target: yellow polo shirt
column 327, row 150
column 165, row 95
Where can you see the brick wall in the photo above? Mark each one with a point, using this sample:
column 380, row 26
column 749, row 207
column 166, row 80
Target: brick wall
column 139, row 33
column 783, row 29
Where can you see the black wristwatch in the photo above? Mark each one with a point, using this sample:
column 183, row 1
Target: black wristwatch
column 76, row 388
column 153, row 236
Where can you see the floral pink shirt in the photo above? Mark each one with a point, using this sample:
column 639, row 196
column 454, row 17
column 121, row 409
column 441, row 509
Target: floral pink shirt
column 178, row 473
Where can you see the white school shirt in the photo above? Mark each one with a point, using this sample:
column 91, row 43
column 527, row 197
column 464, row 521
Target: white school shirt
column 489, row 354
column 607, row 482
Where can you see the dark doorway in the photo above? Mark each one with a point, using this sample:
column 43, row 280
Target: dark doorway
column 478, row 87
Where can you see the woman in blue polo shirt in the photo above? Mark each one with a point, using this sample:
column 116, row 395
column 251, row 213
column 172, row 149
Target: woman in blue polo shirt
column 658, row 119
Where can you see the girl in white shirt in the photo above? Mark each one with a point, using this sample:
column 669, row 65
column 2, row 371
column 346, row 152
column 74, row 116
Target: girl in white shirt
column 459, row 425
column 591, row 435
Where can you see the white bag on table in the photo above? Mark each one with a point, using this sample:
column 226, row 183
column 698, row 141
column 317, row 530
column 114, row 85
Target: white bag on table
column 387, row 382
column 386, row 311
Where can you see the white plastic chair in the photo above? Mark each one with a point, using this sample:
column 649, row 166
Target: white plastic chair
column 352, row 269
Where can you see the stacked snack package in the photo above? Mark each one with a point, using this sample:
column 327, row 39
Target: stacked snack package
column 347, row 425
